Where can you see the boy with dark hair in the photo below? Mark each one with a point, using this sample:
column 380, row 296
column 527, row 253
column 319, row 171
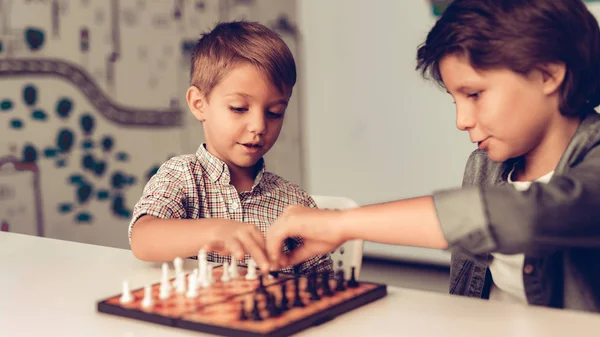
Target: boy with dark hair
column 525, row 225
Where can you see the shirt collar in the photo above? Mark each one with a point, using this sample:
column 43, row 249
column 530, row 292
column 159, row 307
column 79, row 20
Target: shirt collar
column 217, row 170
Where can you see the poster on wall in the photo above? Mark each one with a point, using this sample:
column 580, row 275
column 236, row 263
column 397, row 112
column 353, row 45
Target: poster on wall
column 92, row 102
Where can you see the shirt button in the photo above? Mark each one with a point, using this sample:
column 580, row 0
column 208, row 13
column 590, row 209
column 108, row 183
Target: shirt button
column 528, row 269
column 234, row 206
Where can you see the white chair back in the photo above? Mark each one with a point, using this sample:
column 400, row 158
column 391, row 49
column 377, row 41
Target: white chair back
column 350, row 253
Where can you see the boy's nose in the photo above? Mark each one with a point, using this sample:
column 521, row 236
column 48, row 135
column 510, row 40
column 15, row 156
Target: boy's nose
column 465, row 119
column 257, row 123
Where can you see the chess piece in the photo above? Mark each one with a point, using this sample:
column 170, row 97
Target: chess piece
column 272, row 306
column 251, row 274
column 297, row 299
column 339, row 277
column 180, row 283
column 243, row 315
column 178, row 264
column 256, row 312
column 233, row 269
column 283, row 306
column 225, row 277
column 209, row 275
column 261, row 286
column 352, row 283
column 310, row 283
column 314, row 292
column 192, row 285
column 164, row 281
column 147, row 302
column 325, row 284
column 126, row 297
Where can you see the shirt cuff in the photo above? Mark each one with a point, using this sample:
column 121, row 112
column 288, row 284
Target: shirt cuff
column 463, row 219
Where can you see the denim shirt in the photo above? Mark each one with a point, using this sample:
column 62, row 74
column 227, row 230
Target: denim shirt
column 555, row 224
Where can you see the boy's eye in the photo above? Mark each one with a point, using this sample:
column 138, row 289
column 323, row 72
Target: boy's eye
column 274, row 115
column 237, row 110
column 474, row 95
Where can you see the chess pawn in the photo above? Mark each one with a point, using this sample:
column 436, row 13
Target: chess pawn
column 147, row 302
column 233, row 269
column 202, row 263
column 192, row 286
column 180, row 283
column 251, row 274
column 164, row 281
column 126, row 297
column 178, row 264
column 225, row 277
column 209, row 275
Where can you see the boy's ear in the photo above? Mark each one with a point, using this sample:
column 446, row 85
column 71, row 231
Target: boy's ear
column 553, row 77
column 196, row 102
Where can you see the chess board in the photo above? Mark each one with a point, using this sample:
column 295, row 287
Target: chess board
column 217, row 309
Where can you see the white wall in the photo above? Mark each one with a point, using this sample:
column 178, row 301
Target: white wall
column 374, row 130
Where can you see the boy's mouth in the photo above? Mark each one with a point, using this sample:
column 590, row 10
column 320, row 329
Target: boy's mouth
column 257, row 145
column 252, row 147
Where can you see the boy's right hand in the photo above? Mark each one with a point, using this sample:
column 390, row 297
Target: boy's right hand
column 239, row 239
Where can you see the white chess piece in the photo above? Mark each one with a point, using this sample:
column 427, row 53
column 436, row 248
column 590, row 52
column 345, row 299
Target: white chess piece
column 202, row 262
column 225, row 277
column 233, row 269
column 147, row 301
column 180, row 283
column 209, row 275
column 207, row 279
column 164, row 281
column 192, row 285
column 126, row 297
column 251, row 275
column 178, row 264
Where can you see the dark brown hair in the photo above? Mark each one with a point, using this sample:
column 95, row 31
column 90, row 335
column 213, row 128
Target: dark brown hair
column 521, row 35
column 229, row 44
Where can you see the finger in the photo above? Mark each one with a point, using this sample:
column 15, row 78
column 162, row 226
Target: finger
column 215, row 246
column 254, row 244
column 235, row 248
column 276, row 235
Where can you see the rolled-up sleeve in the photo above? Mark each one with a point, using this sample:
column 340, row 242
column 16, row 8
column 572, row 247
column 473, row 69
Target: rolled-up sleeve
column 563, row 213
column 163, row 196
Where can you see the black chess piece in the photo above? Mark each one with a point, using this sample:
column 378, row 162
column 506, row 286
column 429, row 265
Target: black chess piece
column 352, row 283
column 314, row 290
column 261, row 286
column 309, row 283
column 283, row 305
column 325, row 284
column 243, row 315
column 271, row 306
column 339, row 277
column 297, row 299
column 256, row 312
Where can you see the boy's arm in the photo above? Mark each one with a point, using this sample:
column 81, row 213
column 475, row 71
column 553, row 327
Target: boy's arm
column 160, row 231
column 563, row 213
column 317, row 263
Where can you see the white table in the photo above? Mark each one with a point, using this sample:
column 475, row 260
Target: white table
column 50, row 288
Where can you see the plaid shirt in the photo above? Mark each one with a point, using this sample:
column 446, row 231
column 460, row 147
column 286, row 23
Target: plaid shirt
column 198, row 186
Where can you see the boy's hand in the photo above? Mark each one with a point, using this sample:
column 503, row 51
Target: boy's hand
column 317, row 228
column 239, row 239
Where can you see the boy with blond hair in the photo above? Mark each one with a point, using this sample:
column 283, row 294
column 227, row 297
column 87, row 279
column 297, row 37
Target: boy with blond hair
column 242, row 76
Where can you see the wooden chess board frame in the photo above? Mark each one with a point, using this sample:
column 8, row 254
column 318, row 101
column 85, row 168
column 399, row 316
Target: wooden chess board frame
column 369, row 292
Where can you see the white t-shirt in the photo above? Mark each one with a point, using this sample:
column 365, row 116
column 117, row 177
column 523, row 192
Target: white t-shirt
column 507, row 270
